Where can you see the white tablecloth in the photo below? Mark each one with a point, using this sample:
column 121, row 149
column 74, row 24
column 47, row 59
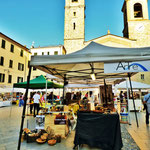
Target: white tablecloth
column 5, row 103
column 138, row 104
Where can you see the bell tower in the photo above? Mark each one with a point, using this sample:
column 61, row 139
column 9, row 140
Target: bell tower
column 136, row 21
column 74, row 33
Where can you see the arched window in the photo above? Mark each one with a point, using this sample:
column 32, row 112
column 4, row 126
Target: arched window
column 138, row 10
column 74, row 0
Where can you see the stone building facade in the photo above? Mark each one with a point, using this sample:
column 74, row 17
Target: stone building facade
column 74, row 33
column 136, row 32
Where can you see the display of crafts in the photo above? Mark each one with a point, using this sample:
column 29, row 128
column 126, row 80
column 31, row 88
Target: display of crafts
column 105, row 109
column 57, row 108
column 60, row 119
column 42, row 136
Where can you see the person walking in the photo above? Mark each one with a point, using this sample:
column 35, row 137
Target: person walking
column 17, row 99
column 86, row 95
column 31, row 102
column 36, row 100
column 21, row 101
column 147, row 106
column 121, row 96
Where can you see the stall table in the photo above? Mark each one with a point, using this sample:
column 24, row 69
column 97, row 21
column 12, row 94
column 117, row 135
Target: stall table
column 98, row 130
column 138, row 104
column 5, row 103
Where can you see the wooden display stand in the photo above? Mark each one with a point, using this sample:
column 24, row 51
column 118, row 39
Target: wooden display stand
column 70, row 101
column 109, row 94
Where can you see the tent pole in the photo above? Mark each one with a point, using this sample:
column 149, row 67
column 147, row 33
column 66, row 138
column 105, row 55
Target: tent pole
column 24, row 108
column 11, row 102
column 64, row 86
column 46, row 92
column 105, row 87
column 128, row 101
column 100, row 101
column 133, row 99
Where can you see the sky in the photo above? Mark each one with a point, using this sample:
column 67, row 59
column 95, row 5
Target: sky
column 42, row 21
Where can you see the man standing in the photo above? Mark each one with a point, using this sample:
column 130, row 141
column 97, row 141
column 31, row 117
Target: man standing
column 147, row 102
column 37, row 100
column 121, row 97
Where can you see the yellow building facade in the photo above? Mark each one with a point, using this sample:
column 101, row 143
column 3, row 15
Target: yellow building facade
column 14, row 59
column 136, row 32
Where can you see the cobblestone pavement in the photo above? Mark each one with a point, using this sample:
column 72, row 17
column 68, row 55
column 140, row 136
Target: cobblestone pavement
column 10, row 120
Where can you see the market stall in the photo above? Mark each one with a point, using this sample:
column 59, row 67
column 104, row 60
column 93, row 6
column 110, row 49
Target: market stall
column 139, row 90
column 89, row 62
column 8, row 95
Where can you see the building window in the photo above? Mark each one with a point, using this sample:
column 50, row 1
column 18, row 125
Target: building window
column 2, row 61
column 20, row 67
column 74, row 26
column 138, row 10
column 21, row 53
column 48, row 53
column 34, row 68
column 2, row 77
column 142, row 76
column 10, row 63
column 56, row 53
column 35, row 54
column 74, row 0
column 74, row 13
column 12, row 48
column 9, row 78
column 3, row 44
column 19, row 79
column 42, row 53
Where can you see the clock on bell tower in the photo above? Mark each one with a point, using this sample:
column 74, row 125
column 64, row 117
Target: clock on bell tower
column 136, row 21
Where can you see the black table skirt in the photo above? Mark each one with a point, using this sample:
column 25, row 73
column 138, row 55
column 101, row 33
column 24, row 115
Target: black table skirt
column 98, row 130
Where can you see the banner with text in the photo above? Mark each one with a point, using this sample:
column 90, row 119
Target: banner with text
column 141, row 66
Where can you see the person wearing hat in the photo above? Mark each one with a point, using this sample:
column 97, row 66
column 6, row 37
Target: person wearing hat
column 147, row 102
column 36, row 100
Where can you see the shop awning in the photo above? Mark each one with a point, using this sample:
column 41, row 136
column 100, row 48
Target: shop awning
column 38, row 83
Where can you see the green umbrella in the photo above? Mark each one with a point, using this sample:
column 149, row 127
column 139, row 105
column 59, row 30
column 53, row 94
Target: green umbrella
column 38, row 83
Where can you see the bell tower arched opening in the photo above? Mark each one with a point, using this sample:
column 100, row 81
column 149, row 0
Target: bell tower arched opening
column 138, row 10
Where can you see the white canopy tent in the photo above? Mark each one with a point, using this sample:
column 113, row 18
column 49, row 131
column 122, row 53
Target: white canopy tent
column 78, row 66
column 81, row 86
column 135, row 85
column 11, row 90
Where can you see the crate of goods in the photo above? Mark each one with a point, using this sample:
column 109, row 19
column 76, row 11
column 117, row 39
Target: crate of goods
column 60, row 119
